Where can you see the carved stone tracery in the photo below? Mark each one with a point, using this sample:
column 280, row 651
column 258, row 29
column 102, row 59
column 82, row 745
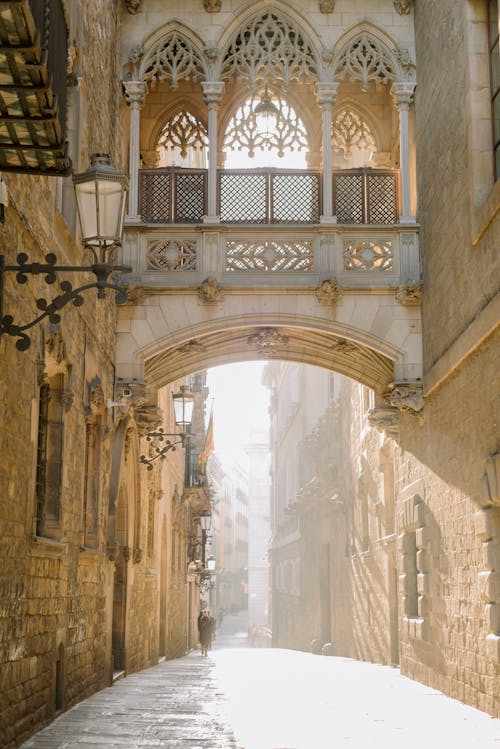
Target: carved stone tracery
column 366, row 59
column 270, row 48
column 183, row 131
column 247, row 131
column 350, row 131
column 173, row 58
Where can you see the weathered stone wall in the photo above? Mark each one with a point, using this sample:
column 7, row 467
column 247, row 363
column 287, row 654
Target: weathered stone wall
column 455, row 645
column 52, row 594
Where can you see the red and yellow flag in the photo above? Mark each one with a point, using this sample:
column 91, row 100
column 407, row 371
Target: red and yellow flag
column 209, row 442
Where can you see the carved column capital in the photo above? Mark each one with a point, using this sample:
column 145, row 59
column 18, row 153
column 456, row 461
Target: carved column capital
column 326, row 94
column 402, row 94
column 385, row 419
column 212, row 93
column 135, row 91
column 405, row 396
column 403, row 7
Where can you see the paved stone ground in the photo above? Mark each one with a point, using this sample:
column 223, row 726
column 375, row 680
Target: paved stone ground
column 243, row 698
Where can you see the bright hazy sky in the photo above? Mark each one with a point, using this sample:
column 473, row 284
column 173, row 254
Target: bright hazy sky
column 240, row 407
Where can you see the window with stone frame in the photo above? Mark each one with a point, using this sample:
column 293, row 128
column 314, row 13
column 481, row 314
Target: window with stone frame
column 494, row 55
column 50, row 456
column 91, row 491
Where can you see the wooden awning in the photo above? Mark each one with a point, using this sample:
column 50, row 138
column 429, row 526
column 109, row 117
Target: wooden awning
column 32, row 112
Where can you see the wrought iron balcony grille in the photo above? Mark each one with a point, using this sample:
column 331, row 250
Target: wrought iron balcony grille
column 33, row 81
column 269, row 196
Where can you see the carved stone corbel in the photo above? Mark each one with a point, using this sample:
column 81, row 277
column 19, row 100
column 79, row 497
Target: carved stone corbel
column 403, row 7
column 137, row 556
column 385, row 419
column 410, row 294
column 210, row 292
column 329, row 292
column 148, row 418
column 326, row 6
column 132, row 6
column 113, row 550
column 212, row 6
column 405, row 396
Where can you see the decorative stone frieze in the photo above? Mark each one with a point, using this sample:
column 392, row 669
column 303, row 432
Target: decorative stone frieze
column 410, row 294
column 328, row 292
column 326, row 6
column 406, row 396
column 385, row 419
column 268, row 341
column 403, row 7
column 210, row 292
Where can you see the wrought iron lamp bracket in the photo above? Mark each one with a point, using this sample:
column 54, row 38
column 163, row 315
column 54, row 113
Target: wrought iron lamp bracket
column 50, row 309
column 161, row 451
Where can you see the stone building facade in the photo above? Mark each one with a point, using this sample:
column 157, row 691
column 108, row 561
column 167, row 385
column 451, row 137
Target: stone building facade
column 328, row 282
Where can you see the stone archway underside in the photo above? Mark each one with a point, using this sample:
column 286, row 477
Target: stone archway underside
column 254, row 342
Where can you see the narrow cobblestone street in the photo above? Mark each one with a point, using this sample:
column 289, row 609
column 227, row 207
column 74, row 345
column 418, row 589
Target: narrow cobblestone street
column 248, row 698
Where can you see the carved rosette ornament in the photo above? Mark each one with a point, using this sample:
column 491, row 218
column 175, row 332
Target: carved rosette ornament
column 329, row 292
column 403, row 7
column 405, row 396
column 210, row 292
column 192, row 347
column 385, row 419
column 410, row 294
column 268, row 341
column 342, row 346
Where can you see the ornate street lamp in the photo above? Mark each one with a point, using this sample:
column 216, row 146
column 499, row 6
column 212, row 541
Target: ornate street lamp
column 183, row 410
column 100, row 198
column 205, row 523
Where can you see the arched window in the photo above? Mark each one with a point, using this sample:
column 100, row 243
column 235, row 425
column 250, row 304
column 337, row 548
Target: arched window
column 266, row 130
column 183, row 142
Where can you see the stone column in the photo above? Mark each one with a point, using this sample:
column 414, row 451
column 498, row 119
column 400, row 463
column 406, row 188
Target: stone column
column 326, row 93
column 212, row 92
column 134, row 94
column 403, row 95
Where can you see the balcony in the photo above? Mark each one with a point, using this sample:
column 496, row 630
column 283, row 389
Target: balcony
column 270, row 231
column 268, row 196
column 33, row 82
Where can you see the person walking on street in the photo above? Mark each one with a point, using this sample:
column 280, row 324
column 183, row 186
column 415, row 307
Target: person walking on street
column 205, row 629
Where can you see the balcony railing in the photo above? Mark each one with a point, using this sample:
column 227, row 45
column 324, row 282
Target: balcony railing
column 268, row 196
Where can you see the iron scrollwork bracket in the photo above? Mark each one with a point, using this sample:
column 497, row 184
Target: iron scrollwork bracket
column 51, row 309
column 161, row 451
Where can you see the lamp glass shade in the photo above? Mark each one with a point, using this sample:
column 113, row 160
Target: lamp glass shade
column 100, row 199
column 205, row 520
column 183, row 408
column 211, row 564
